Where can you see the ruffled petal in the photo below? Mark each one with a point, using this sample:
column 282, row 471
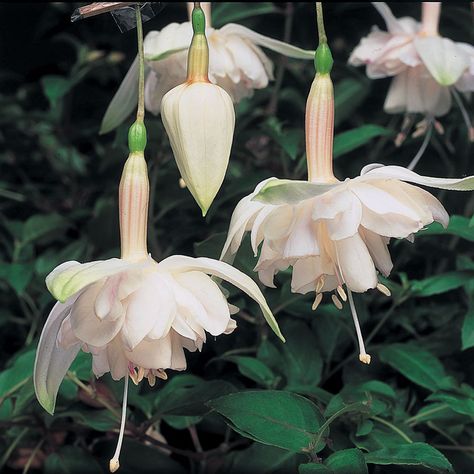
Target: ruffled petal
column 180, row 263
column 378, row 250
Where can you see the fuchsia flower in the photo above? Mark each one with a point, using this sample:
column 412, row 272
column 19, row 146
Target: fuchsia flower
column 334, row 234
column 426, row 68
column 133, row 314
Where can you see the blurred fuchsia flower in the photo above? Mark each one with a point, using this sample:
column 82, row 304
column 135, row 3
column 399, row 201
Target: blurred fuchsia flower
column 427, row 69
column 236, row 63
column 133, row 314
column 334, row 233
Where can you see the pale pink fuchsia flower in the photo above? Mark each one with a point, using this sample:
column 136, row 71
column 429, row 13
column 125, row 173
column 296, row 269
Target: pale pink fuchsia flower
column 236, row 63
column 426, row 68
column 133, row 314
column 333, row 233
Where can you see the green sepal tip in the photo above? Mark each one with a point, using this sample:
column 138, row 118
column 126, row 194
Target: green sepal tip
column 199, row 21
column 323, row 59
column 137, row 137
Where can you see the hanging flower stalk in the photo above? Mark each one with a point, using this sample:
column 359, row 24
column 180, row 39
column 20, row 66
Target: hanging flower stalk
column 199, row 118
column 134, row 315
column 334, row 234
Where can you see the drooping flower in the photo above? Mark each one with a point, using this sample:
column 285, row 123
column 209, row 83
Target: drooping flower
column 427, row 69
column 133, row 314
column 334, row 234
column 236, row 63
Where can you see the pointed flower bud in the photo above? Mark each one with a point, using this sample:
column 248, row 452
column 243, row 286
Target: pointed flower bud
column 199, row 118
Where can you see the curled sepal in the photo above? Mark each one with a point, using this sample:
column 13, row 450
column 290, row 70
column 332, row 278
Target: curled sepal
column 52, row 362
column 70, row 277
column 180, row 263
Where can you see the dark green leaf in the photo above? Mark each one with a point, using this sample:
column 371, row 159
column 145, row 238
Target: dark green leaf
column 438, row 284
column 314, row 468
column 467, row 333
column 40, row 225
column 71, row 460
column 347, row 141
column 415, row 454
column 458, row 225
column 416, row 364
column 18, row 275
column 277, row 418
column 254, row 369
column 347, row 461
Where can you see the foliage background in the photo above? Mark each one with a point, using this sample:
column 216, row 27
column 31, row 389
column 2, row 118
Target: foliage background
column 247, row 403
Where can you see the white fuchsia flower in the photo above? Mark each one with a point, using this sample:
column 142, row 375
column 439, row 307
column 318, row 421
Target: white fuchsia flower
column 334, row 234
column 133, row 314
column 236, row 63
column 427, row 69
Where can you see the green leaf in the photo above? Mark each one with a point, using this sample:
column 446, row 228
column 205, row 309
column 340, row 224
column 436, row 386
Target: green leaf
column 439, row 284
column 348, row 95
column 314, row 468
column 458, row 225
column 289, row 139
column 457, row 402
column 56, row 87
column 277, row 418
column 15, row 377
column 17, row 275
column 415, row 454
column 254, row 369
column 467, row 333
column 40, row 225
column 100, row 420
column 186, row 395
column 347, row 461
column 303, row 363
column 417, row 365
column 347, row 141
column 71, row 460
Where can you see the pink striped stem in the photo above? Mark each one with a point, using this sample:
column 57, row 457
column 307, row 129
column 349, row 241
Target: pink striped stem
column 430, row 12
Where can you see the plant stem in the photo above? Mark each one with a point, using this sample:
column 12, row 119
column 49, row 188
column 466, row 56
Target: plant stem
column 415, row 418
column 320, row 20
column 141, row 67
column 392, row 427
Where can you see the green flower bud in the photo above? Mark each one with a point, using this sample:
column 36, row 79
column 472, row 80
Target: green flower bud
column 137, row 137
column 323, row 59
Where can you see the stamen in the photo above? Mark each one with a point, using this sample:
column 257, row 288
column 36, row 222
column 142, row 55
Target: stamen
column 133, row 375
column 151, row 378
column 182, row 183
column 114, row 463
column 320, row 284
column 383, row 289
column 160, row 373
column 363, row 356
column 317, row 300
column 141, row 374
column 423, row 147
column 336, row 302
column 341, row 293
column 465, row 115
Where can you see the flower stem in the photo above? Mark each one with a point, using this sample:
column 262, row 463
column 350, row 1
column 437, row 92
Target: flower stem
column 320, row 21
column 141, row 67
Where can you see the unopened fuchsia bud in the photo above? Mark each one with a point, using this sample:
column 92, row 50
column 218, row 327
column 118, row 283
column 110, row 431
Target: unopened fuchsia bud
column 199, row 118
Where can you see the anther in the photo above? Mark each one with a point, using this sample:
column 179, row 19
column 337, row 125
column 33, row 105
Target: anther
column 317, row 300
column 383, row 289
column 341, row 293
column 336, row 302
column 320, row 284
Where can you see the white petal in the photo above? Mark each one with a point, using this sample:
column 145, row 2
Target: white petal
column 393, row 25
column 356, row 264
column 216, row 316
column 180, row 263
column 52, row 362
column 118, row 363
column 273, row 44
column 154, row 354
column 70, row 277
column 443, row 58
column 178, row 358
column 100, row 363
column 86, row 325
column 378, row 250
